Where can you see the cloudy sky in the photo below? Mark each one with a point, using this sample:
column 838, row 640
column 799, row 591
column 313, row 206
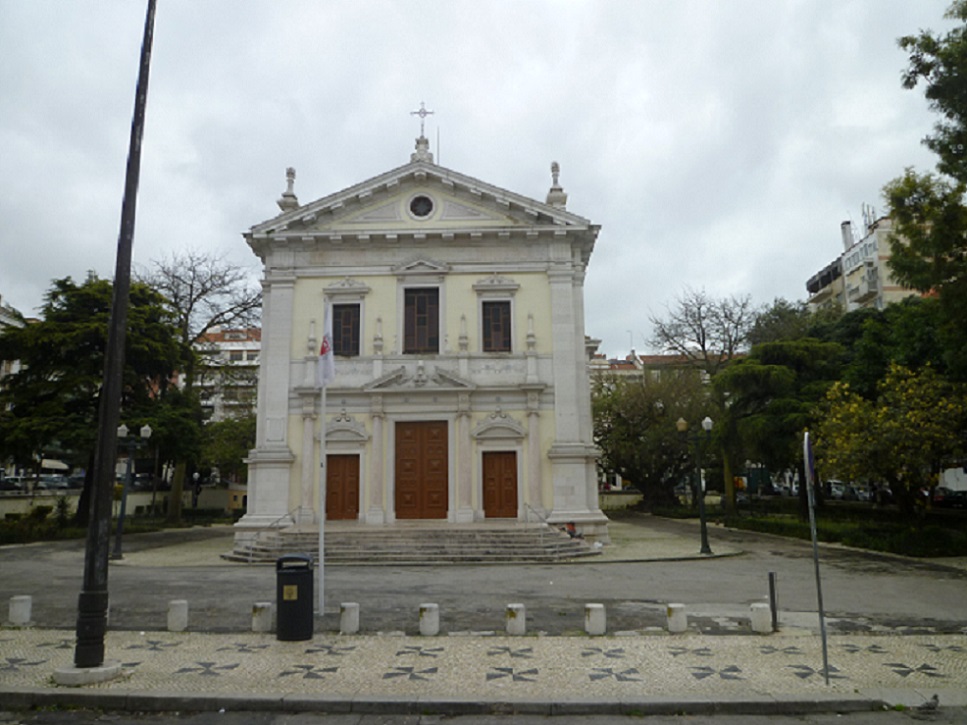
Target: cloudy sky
column 718, row 144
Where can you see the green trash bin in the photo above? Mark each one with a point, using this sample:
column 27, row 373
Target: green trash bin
column 293, row 597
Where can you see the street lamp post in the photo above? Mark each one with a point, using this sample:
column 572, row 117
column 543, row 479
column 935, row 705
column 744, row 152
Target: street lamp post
column 707, row 427
column 699, row 488
column 92, row 603
column 131, row 444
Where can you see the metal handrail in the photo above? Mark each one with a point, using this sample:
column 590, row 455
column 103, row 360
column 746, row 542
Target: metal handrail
column 269, row 527
column 528, row 509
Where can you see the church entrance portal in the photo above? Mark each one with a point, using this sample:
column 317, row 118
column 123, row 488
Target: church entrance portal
column 342, row 487
column 500, row 485
column 421, row 470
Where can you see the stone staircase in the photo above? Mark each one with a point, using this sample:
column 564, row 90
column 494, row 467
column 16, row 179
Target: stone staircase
column 417, row 544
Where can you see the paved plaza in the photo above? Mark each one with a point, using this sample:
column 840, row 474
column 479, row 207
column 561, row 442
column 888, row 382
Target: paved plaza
column 473, row 673
column 643, row 669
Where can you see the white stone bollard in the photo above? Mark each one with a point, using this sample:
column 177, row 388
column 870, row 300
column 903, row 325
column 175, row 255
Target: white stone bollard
column 677, row 618
column 761, row 618
column 595, row 619
column 348, row 618
column 19, row 612
column 178, row 615
column 516, row 617
column 429, row 620
column 262, row 617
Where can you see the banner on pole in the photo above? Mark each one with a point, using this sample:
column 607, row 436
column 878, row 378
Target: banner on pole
column 326, row 365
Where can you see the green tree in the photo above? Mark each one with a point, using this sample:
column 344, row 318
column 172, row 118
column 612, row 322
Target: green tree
column 783, row 320
column 929, row 244
column 938, row 61
column 634, row 426
column 226, row 444
column 907, row 333
column 901, row 438
column 771, row 396
column 53, row 399
column 929, row 252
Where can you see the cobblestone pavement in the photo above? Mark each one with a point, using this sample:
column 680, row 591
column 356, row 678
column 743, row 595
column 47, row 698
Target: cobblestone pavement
column 630, row 671
column 645, row 670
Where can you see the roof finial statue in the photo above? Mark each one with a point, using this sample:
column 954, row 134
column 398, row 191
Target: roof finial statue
column 288, row 201
column 422, row 152
column 556, row 196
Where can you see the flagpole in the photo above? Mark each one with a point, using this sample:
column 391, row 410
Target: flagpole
column 325, row 373
column 321, row 516
column 810, row 483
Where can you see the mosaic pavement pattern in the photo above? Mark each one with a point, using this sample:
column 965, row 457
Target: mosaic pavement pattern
column 496, row 666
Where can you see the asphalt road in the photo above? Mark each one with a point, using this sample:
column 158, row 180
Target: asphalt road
column 862, row 592
column 945, row 716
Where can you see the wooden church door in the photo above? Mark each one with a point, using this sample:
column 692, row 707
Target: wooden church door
column 342, row 487
column 500, row 484
column 421, row 470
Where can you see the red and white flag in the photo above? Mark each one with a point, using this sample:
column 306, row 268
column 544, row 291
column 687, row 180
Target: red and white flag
column 326, row 366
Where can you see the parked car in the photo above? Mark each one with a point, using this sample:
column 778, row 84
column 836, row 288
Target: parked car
column 882, row 494
column 147, row 482
column 53, row 482
column 835, row 489
column 11, row 483
column 944, row 497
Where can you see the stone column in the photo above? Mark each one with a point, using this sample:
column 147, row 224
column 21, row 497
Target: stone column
column 572, row 454
column 464, row 489
column 376, row 511
column 534, row 479
column 564, row 359
column 306, row 513
column 586, row 424
column 271, row 459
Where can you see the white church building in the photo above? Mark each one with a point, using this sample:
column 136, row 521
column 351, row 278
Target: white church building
column 461, row 391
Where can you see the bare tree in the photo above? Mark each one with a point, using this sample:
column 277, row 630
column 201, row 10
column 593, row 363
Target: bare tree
column 708, row 332
column 203, row 292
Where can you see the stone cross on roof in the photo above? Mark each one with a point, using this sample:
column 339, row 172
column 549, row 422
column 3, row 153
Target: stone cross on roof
column 422, row 113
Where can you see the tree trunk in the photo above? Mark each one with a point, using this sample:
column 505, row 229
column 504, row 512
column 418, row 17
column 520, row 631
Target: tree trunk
column 729, row 483
column 177, row 489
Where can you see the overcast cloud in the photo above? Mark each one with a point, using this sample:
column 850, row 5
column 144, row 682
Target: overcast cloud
column 718, row 144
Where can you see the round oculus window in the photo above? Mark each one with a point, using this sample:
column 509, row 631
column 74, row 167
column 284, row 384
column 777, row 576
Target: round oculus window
column 421, row 206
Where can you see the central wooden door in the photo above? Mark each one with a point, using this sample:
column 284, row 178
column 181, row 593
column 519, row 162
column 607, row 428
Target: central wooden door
column 421, row 470
column 342, row 487
column 500, row 485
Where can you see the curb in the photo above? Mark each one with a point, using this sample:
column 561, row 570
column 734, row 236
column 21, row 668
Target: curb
column 155, row 701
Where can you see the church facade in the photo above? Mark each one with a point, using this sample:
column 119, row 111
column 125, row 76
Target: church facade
column 461, row 391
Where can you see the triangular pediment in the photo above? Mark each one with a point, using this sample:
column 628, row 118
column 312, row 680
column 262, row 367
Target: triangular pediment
column 418, row 198
column 422, row 266
column 402, row 379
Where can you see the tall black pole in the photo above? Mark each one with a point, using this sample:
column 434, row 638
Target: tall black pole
column 93, row 600
column 703, row 524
